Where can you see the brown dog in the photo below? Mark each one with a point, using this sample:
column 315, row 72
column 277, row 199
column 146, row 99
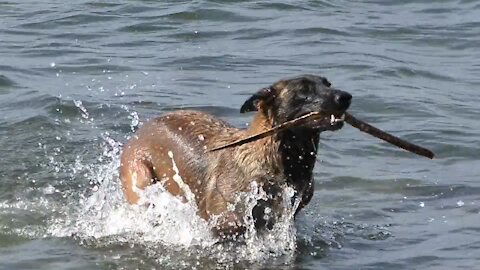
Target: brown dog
column 171, row 150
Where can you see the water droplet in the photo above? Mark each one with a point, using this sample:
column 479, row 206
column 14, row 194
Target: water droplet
column 79, row 105
column 49, row 190
column 135, row 120
column 200, row 137
column 422, row 204
column 460, row 203
column 52, row 64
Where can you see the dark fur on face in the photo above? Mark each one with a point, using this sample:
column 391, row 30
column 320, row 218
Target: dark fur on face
column 288, row 99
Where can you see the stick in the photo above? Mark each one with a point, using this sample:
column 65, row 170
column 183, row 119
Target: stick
column 356, row 123
column 367, row 128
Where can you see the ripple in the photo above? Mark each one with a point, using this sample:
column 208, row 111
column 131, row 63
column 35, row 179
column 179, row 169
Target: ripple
column 441, row 191
column 281, row 6
column 30, row 100
column 76, row 36
column 22, row 72
column 225, row 62
column 146, row 27
column 76, row 19
column 85, row 66
column 254, row 33
column 213, row 15
column 404, row 72
column 320, row 30
column 5, row 82
column 438, row 10
column 102, row 4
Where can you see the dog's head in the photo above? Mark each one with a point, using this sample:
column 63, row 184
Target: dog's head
column 288, row 99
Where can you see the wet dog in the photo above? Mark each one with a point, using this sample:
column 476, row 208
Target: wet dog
column 172, row 151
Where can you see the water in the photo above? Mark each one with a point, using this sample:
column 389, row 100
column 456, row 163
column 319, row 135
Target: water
column 77, row 78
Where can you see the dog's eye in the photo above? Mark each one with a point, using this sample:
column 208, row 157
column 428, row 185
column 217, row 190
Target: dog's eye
column 303, row 99
column 326, row 82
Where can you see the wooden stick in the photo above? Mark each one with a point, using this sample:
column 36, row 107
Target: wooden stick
column 367, row 128
column 356, row 123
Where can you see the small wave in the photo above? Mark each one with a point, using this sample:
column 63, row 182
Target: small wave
column 213, row 15
column 145, row 27
column 6, row 82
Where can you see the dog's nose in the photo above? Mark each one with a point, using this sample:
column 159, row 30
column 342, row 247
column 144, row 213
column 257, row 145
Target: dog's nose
column 343, row 99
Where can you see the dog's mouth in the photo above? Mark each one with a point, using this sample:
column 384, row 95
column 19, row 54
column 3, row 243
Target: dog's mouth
column 334, row 119
column 332, row 122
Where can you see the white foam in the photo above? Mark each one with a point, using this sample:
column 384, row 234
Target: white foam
column 102, row 213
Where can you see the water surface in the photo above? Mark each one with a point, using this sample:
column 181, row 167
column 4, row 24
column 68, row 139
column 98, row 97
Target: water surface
column 77, row 78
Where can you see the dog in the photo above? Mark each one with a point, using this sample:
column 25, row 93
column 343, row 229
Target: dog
column 172, row 151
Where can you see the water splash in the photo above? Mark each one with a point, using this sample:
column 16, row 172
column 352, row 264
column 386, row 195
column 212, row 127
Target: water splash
column 135, row 121
column 83, row 110
column 100, row 215
column 281, row 239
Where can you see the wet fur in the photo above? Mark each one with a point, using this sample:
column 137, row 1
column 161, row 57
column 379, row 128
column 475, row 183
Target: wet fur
column 216, row 178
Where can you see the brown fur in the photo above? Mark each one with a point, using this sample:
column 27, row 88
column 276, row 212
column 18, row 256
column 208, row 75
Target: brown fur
column 216, row 178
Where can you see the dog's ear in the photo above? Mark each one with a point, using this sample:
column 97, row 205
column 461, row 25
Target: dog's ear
column 264, row 95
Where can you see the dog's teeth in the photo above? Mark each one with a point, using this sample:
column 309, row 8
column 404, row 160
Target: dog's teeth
column 334, row 120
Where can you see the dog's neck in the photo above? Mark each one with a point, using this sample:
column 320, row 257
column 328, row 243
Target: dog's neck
column 298, row 151
column 261, row 122
column 261, row 155
column 295, row 150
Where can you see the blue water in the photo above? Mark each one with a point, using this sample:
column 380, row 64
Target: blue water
column 74, row 77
